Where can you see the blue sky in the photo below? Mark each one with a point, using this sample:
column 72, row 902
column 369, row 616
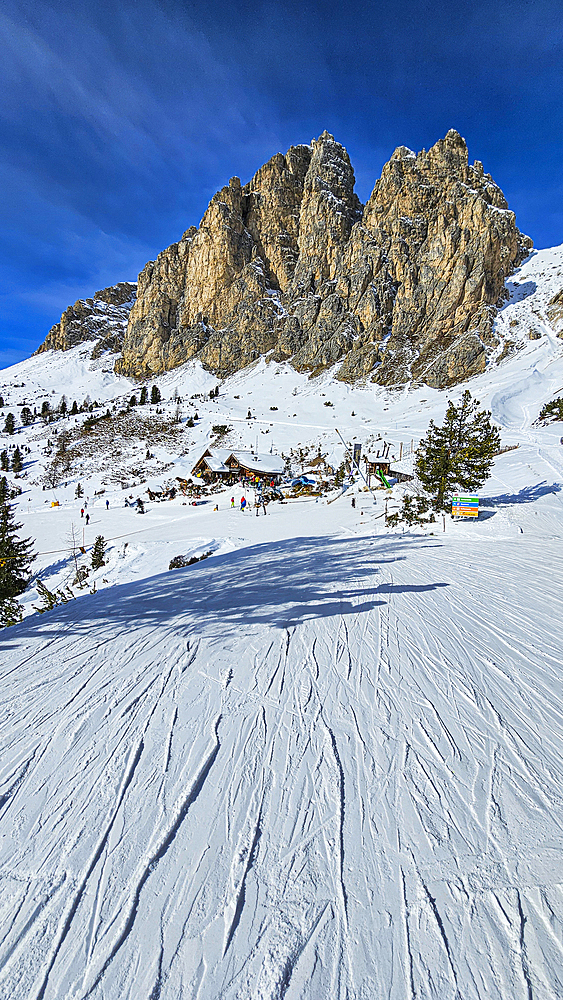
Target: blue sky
column 119, row 121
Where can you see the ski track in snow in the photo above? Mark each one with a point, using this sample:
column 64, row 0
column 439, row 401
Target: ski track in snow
column 325, row 767
column 377, row 815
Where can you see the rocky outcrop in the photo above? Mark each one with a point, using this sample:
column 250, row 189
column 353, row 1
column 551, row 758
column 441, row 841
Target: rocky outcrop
column 555, row 313
column 450, row 242
column 102, row 319
column 293, row 266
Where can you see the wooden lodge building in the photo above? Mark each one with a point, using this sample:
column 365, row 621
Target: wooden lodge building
column 230, row 466
column 375, row 465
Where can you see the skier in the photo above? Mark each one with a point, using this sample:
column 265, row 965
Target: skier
column 107, row 504
column 353, row 501
column 82, row 512
column 232, row 501
column 264, row 506
column 87, row 519
column 242, row 504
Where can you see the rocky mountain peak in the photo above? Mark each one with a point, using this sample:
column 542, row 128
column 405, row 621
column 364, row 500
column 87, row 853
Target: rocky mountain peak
column 102, row 319
column 292, row 265
column 329, row 208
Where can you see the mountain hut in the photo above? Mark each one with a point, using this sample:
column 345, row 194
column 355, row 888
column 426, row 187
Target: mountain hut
column 221, row 464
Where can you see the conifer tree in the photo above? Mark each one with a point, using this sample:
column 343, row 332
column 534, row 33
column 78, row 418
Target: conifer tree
column 459, row 454
column 10, row 424
column 26, row 416
column 155, row 395
column 98, row 552
column 63, row 406
column 4, row 461
column 16, row 554
column 144, row 393
column 52, row 599
column 74, row 409
column 79, row 491
column 11, row 612
column 17, row 464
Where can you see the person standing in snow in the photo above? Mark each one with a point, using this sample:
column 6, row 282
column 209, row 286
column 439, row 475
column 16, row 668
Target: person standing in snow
column 242, row 504
column 82, row 512
column 353, row 501
column 107, row 504
column 87, row 519
column 232, row 501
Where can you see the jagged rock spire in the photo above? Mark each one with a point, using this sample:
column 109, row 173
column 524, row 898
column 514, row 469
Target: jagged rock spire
column 291, row 264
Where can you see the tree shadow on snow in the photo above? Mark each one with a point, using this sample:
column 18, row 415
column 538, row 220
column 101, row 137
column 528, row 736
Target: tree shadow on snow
column 52, row 569
column 279, row 584
column 526, row 495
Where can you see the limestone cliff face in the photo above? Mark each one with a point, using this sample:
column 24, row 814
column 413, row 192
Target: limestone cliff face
column 102, row 319
column 214, row 292
column 450, row 241
column 293, row 265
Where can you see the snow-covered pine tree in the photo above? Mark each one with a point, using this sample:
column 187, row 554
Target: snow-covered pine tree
column 16, row 554
column 459, row 454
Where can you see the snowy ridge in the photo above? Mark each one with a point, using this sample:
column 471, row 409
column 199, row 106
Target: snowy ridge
column 326, row 762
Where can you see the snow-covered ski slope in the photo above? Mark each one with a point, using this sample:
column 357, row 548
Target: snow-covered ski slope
column 324, row 763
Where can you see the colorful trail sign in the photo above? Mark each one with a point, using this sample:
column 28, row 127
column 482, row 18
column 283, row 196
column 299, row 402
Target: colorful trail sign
column 465, row 506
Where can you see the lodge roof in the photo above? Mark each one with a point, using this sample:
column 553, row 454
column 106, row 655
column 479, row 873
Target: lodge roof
column 405, row 466
column 218, row 460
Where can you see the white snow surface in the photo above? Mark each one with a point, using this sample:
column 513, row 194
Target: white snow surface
column 326, row 762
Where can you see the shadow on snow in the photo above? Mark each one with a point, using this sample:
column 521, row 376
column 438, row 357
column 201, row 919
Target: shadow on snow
column 528, row 494
column 276, row 584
